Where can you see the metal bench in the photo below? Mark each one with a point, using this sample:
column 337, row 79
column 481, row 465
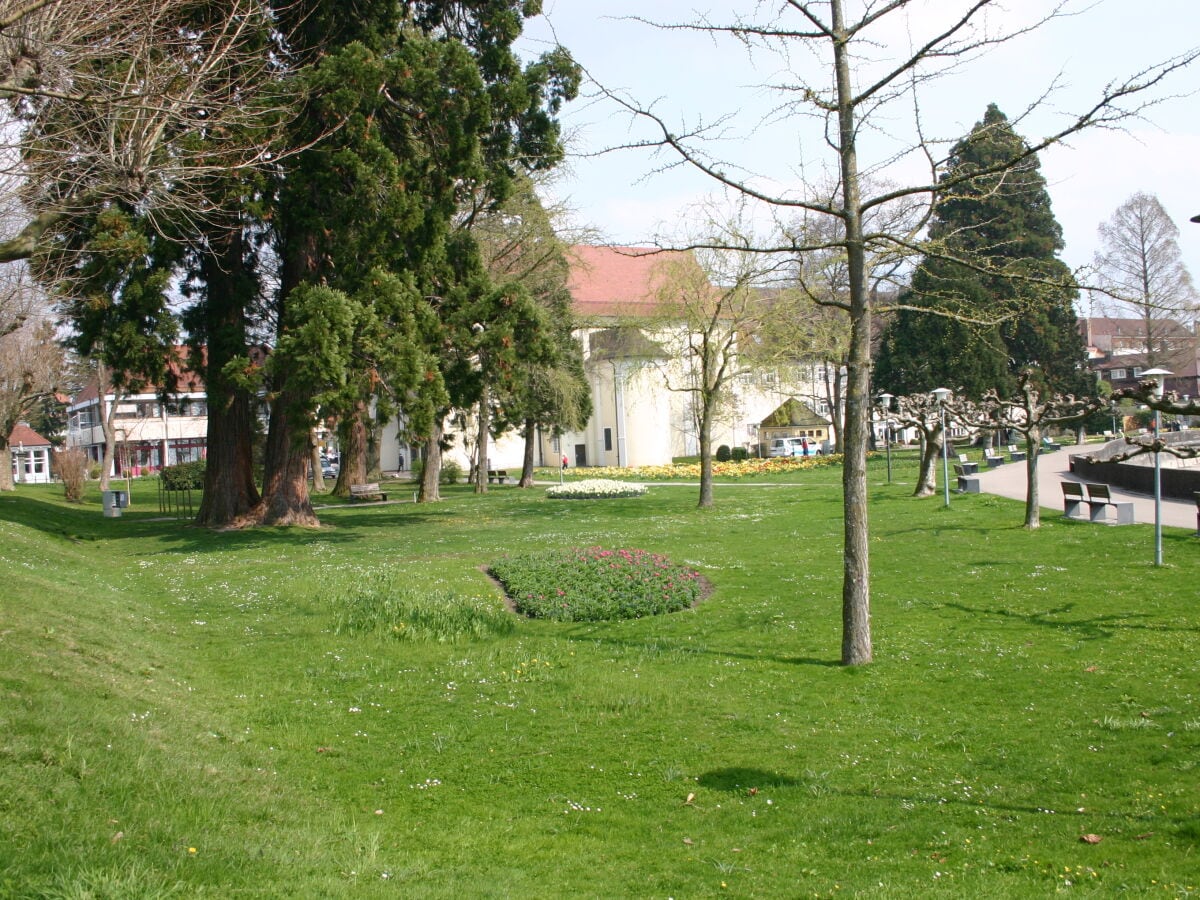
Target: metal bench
column 1100, row 501
column 366, row 492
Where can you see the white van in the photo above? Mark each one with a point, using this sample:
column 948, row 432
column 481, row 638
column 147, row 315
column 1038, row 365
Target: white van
column 793, row 447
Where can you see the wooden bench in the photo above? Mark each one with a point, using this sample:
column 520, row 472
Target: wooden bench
column 366, row 492
column 1014, row 454
column 497, row 476
column 1100, row 501
column 968, row 467
column 968, row 482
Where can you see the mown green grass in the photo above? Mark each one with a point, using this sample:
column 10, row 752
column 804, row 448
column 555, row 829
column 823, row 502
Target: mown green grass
column 181, row 714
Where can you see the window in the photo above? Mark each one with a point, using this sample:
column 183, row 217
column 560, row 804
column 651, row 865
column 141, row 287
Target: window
column 1117, row 375
column 608, row 439
column 1137, row 371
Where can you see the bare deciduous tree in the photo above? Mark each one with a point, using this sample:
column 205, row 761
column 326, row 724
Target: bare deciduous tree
column 31, row 360
column 146, row 102
column 865, row 80
column 1143, row 275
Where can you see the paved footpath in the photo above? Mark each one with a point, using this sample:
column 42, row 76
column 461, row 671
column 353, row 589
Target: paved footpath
column 1009, row 480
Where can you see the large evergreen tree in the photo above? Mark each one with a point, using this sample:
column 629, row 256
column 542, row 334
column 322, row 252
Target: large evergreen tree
column 991, row 297
column 411, row 108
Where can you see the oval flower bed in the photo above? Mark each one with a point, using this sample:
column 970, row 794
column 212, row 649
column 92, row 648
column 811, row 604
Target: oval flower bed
column 594, row 489
column 592, row 584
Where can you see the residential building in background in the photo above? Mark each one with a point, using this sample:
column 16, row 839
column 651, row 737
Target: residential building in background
column 30, row 456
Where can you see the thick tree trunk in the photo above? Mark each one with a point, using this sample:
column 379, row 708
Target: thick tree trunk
column 528, row 459
column 229, row 489
column 431, row 473
column 352, row 440
column 931, row 451
column 285, row 480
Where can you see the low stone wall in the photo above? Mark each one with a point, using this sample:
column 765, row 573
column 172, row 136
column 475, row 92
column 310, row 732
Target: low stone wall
column 1181, row 482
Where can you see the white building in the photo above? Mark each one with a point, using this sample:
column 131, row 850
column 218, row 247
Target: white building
column 30, row 456
column 150, row 434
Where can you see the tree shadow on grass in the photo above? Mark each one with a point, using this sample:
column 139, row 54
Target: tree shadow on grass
column 739, row 779
column 585, row 631
column 1087, row 628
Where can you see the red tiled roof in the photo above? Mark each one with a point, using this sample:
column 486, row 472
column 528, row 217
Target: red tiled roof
column 25, row 435
column 614, row 281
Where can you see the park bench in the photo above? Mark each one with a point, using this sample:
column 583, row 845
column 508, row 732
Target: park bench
column 1073, row 499
column 1014, row 454
column 366, row 492
column 992, row 458
column 1048, row 446
column 968, row 482
column 968, row 467
column 497, row 476
column 1100, row 500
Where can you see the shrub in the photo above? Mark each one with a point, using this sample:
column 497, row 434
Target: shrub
column 72, row 467
column 451, row 472
column 739, row 454
column 188, row 476
column 594, row 489
column 376, row 604
column 723, row 454
column 593, row 584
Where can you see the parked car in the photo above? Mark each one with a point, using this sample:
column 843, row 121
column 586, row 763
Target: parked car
column 329, row 468
column 794, row 447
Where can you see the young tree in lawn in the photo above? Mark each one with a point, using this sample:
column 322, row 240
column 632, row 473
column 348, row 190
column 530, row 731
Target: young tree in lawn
column 1143, row 275
column 863, row 83
column 707, row 301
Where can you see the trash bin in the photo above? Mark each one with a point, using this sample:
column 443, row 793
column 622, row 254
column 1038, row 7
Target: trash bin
column 111, row 503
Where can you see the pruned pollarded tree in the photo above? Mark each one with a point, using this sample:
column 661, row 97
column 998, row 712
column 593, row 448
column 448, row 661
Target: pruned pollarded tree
column 922, row 412
column 141, row 103
column 1029, row 411
column 1170, row 402
column 863, row 80
column 1143, row 276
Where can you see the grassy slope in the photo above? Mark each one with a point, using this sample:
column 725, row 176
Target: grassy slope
column 177, row 717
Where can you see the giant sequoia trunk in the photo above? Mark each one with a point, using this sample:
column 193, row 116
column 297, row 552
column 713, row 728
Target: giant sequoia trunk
column 431, row 473
column 285, row 498
column 229, row 489
column 352, row 447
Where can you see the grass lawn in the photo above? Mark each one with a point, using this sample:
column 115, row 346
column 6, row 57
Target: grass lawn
column 182, row 715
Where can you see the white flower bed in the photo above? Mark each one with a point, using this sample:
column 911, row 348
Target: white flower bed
column 594, row 489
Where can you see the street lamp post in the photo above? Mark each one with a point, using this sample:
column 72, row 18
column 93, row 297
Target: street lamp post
column 1160, row 377
column 941, row 395
column 885, row 400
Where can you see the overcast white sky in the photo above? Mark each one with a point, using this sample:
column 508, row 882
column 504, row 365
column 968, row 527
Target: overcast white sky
column 690, row 79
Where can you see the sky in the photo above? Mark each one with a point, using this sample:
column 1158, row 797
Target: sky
column 634, row 196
